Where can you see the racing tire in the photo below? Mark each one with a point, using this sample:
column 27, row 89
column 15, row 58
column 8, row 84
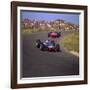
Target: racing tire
column 41, row 47
column 58, row 48
column 59, row 34
column 38, row 43
column 49, row 34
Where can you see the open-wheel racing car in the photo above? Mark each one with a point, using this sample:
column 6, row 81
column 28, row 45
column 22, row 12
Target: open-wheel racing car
column 48, row 45
column 54, row 34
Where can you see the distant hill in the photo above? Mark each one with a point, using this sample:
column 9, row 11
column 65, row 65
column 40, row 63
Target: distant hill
column 57, row 24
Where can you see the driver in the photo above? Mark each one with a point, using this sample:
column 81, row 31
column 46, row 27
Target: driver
column 46, row 42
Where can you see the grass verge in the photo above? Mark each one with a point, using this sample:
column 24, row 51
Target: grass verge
column 30, row 31
column 71, row 42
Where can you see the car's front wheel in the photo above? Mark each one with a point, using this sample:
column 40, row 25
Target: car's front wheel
column 37, row 45
column 41, row 47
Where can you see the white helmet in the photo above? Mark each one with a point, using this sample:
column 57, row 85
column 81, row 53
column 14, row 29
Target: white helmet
column 47, row 41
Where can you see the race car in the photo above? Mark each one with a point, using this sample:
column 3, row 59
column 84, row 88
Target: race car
column 54, row 34
column 48, row 45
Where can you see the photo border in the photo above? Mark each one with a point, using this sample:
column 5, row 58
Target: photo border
column 14, row 33
column 21, row 80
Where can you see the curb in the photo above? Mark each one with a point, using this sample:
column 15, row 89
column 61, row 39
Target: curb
column 74, row 53
column 71, row 52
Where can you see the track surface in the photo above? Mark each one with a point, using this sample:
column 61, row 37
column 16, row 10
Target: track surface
column 36, row 63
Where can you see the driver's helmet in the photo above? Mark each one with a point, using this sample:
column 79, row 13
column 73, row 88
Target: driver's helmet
column 47, row 41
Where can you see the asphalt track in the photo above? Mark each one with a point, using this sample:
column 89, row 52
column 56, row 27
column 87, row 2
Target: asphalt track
column 36, row 63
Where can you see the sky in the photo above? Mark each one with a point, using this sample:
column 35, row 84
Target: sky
column 68, row 17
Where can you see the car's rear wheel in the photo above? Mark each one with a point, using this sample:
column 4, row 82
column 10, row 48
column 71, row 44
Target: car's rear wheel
column 58, row 48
